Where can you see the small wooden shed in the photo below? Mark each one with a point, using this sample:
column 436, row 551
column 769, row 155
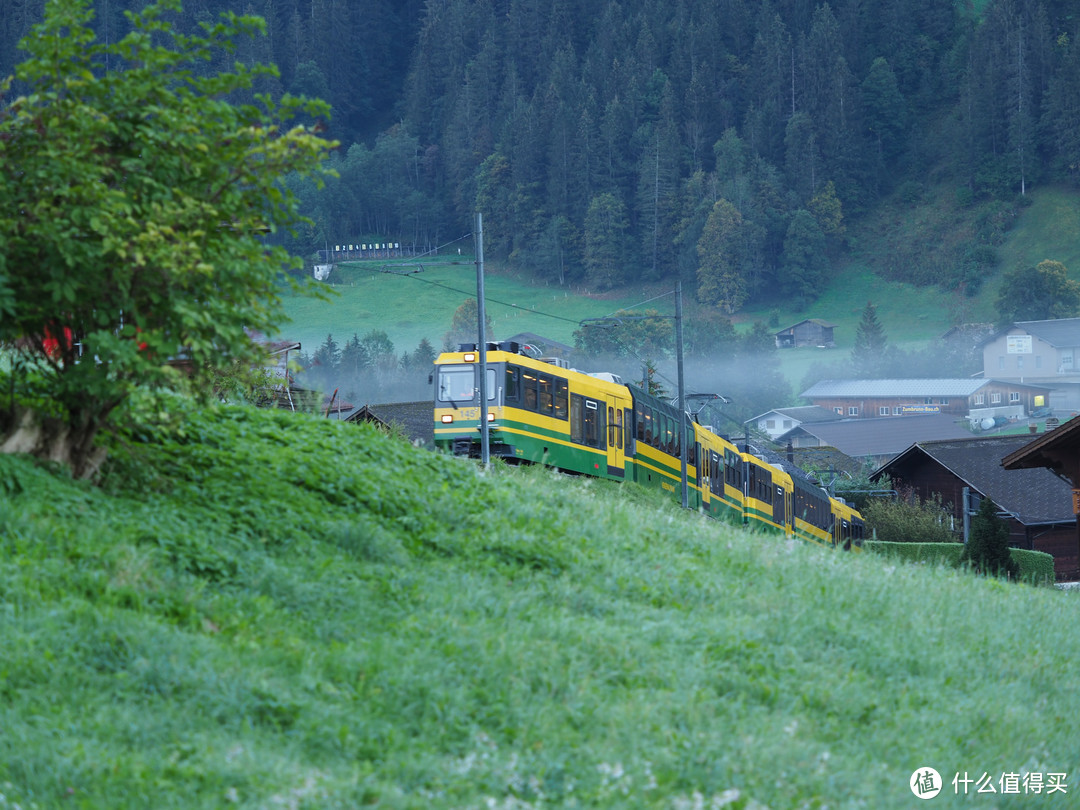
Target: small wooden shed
column 811, row 332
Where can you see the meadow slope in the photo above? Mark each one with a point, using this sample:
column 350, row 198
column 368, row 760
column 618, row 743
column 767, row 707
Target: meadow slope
column 272, row 610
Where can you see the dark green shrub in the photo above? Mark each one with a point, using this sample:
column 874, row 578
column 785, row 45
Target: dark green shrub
column 1035, row 567
column 987, row 549
column 909, row 520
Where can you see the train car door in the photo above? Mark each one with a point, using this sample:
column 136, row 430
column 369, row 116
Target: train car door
column 616, row 435
column 789, row 513
column 780, row 507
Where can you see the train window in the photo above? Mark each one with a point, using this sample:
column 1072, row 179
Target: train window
column 562, row 395
column 631, row 448
column 586, row 421
column 610, row 426
column 457, row 384
column 546, row 398
column 733, row 469
column 618, row 428
column 528, row 389
column 511, row 385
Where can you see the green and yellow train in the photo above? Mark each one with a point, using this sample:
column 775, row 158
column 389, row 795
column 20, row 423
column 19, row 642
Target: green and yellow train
column 541, row 411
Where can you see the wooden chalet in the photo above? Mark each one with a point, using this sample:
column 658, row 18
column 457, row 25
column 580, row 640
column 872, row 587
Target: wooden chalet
column 1058, row 452
column 1038, row 503
column 811, row 332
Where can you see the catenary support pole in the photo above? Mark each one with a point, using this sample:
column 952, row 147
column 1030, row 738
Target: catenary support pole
column 682, row 393
column 485, row 448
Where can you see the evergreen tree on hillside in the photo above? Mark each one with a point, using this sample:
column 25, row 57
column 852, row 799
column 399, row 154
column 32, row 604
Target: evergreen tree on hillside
column 987, row 548
column 721, row 282
column 804, row 260
column 606, row 255
column 354, row 357
column 869, row 354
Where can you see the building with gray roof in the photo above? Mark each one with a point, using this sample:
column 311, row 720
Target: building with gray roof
column 974, row 399
column 1039, row 352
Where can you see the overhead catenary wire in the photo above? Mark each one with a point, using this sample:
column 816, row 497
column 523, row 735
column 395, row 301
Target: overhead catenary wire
column 487, row 298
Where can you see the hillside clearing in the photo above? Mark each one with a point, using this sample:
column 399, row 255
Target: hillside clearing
column 270, row 609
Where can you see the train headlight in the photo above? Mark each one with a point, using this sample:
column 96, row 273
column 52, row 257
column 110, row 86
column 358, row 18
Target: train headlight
column 491, row 416
column 447, row 418
column 469, row 358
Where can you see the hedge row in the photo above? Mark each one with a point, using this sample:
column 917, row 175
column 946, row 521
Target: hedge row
column 1036, row 567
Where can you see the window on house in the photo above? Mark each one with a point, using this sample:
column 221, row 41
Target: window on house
column 980, row 399
column 883, row 410
column 928, row 401
column 839, row 411
column 853, row 410
column 787, row 424
column 995, row 398
column 770, row 424
column 943, row 401
column 1014, row 396
column 897, row 410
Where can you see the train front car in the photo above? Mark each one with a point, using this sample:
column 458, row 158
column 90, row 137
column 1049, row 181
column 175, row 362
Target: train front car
column 539, row 411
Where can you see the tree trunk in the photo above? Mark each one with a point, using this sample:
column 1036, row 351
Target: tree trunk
column 54, row 440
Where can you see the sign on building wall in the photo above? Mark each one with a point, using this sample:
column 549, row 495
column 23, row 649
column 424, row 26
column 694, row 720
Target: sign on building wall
column 920, row 409
column 1018, row 344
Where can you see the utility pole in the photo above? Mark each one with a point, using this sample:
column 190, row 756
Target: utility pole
column 682, row 393
column 485, row 448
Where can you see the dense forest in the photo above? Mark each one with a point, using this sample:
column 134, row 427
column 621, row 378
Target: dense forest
column 726, row 142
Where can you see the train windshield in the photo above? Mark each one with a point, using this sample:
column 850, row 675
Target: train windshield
column 460, row 384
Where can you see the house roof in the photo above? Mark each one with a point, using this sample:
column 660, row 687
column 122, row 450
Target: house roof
column 1039, row 452
column 802, row 414
column 416, row 419
column 1059, row 332
column 815, row 321
column 884, row 436
column 974, row 332
column 1033, row 496
column 958, row 387
column 272, row 346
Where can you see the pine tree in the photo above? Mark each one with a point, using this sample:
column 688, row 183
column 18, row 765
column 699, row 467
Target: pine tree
column 987, row 548
column 869, row 354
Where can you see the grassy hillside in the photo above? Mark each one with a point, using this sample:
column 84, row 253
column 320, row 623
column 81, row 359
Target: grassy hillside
column 1046, row 229
column 271, row 610
column 411, row 307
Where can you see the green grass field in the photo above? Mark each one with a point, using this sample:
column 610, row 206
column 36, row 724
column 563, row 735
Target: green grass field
column 422, row 305
column 273, row 610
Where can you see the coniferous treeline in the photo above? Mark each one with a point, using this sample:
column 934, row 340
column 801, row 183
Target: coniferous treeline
column 727, row 142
